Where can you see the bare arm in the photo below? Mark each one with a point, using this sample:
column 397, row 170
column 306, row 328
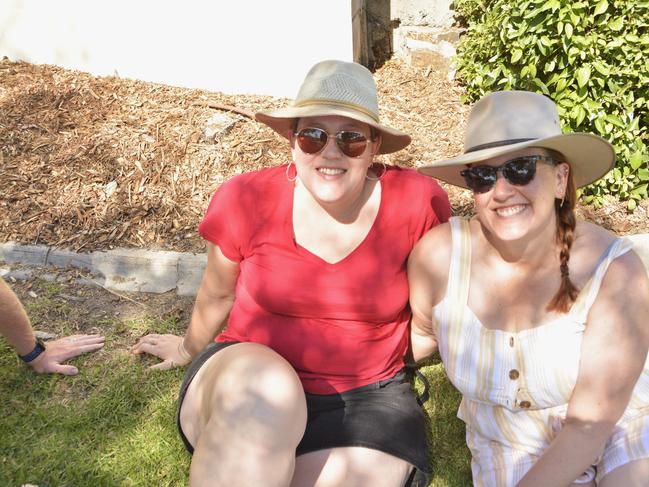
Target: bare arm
column 14, row 323
column 213, row 304
column 614, row 351
column 16, row 328
column 427, row 276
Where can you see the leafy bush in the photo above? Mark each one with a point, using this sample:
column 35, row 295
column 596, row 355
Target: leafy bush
column 590, row 57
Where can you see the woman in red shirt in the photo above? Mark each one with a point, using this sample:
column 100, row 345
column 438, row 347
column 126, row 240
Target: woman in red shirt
column 307, row 268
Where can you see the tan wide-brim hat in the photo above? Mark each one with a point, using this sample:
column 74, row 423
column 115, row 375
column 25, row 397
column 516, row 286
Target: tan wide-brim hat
column 507, row 121
column 336, row 88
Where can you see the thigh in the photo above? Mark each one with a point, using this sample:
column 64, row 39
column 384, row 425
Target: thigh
column 633, row 474
column 625, row 460
column 242, row 382
column 350, row 467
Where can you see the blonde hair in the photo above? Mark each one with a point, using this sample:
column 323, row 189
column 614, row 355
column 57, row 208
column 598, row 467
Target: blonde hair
column 565, row 235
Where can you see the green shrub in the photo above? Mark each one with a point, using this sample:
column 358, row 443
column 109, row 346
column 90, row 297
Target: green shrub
column 590, row 57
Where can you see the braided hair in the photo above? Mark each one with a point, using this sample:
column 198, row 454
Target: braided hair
column 565, row 235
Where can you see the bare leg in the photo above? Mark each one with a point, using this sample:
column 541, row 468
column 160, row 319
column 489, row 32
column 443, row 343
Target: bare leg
column 245, row 414
column 350, row 467
column 633, row 474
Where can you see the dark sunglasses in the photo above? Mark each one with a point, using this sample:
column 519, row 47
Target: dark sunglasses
column 312, row 140
column 519, row 171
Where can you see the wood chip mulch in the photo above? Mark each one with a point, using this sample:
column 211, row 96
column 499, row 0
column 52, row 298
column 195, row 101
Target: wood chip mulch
column 91, row 163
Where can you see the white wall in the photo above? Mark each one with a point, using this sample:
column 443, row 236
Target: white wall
column 234, row 46
column 428, row 13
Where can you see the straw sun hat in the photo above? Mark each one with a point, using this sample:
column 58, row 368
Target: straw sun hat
column 506, row 121
column 336, row 88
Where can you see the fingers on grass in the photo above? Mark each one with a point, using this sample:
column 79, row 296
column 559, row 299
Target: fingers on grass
column 86, row 336
column 65, row 369
column 86, row 348
column 144, row 347
column 166, row 365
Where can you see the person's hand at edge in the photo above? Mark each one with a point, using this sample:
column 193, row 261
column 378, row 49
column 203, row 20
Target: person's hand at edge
column 58, row 351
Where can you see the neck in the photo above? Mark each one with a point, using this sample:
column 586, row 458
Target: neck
column 533, row 251
column 343, row 211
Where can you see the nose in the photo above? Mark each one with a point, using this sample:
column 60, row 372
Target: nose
column 331, row 149
column 502, row 188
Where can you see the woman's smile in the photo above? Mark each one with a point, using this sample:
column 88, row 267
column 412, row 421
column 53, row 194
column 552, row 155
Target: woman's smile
column 328, row 172
column 511, row 210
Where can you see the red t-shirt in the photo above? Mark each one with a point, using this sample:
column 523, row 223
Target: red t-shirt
column 341, row 325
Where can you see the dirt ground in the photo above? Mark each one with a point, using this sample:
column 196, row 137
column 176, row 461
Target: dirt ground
column 91, row 163
column 65, row 307
column 62, row 302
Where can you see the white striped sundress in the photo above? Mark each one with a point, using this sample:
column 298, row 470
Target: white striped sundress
column 516, row 386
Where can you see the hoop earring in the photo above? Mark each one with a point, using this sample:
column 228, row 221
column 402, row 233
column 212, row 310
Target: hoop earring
column 288, row 168
column 383, row 172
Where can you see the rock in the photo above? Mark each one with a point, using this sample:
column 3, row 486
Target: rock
column 44, row 335
column 218, row 124
column 110, row 188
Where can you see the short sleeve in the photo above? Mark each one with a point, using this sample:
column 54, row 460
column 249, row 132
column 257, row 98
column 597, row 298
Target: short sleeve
column 435, row 206
column 226, row 221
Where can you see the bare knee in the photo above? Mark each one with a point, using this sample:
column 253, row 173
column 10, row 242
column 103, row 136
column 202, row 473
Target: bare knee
column 258, row 379
column 252, row 390
column 632, row 474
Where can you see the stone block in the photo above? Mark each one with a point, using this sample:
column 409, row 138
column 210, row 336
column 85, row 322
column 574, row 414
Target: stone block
column 12, row 252
column 67, row 258
column 422, row 12
column 137, row 270
column 190, row 273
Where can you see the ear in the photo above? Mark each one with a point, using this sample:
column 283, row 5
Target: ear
column 561, row 180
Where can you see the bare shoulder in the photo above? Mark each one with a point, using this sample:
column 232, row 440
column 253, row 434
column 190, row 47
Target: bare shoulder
column 434, row 246
column 590, row 242
column 621, row 307
column 589, row 236
column 626, row 278
column 428, row 264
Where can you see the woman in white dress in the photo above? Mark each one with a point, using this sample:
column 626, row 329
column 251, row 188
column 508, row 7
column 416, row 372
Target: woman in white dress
column 540, row 319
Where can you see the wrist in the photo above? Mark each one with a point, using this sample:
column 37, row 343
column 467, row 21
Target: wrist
column 36, row 352
column 182, row 351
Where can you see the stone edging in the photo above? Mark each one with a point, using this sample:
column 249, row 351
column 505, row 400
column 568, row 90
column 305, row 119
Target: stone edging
column 150, row 271
column 131, row 270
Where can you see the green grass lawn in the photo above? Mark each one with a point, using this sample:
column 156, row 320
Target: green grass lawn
column 114, row 423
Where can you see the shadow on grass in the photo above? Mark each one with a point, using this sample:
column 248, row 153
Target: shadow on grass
column 450, row 458
column 111, row 425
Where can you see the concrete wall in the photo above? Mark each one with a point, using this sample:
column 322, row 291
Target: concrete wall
column 244, row 46
column 425, row 34
column 423, row 13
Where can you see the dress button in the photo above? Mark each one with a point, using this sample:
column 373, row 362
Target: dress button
column 524, row 404
column 514, row 374
column 511, row 341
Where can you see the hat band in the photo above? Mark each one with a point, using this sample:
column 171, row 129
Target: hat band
column 339, row 103
column 500, row 143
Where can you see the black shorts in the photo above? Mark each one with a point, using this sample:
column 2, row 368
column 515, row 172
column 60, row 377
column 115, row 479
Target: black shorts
column 383, row 416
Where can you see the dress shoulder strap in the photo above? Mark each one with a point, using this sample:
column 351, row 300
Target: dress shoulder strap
column 587, row 295
column 451, row 319
column 457, row 289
